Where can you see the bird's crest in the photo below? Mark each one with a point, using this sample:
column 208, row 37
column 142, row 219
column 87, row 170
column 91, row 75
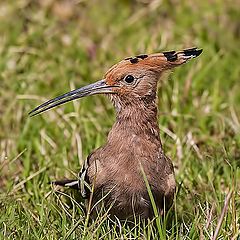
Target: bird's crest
column 156, row 62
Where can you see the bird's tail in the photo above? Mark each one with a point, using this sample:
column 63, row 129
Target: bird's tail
column 74, row 184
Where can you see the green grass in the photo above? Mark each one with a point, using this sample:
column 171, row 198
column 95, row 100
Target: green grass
column 47, row 48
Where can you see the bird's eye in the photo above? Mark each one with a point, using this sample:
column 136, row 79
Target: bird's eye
column 129, row 79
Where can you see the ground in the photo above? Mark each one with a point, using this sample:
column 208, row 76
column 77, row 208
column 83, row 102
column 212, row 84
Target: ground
column 48, row 47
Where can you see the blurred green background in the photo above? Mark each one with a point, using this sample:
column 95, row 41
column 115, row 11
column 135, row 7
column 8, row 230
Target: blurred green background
column 48, row 47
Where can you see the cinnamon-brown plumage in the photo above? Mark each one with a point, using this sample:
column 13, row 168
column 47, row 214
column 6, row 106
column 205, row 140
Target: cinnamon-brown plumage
column 133, row 145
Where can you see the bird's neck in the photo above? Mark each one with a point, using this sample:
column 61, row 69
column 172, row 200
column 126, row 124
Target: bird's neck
column 137, row 118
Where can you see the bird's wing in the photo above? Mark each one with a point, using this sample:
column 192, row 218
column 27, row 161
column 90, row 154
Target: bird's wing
column 83, row 180
column 82, row 183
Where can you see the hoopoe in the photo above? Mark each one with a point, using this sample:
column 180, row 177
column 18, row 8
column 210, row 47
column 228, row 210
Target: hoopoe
column 133, row 148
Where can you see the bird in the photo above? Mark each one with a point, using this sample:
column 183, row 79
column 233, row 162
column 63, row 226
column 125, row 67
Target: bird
column 117, row 173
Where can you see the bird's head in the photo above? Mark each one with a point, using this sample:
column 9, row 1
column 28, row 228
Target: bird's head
column 128, row 81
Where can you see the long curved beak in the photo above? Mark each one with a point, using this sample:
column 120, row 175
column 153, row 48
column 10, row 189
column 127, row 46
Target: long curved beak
column 91, row 89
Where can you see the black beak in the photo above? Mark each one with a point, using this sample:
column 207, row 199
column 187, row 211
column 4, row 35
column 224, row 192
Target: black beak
column 94, row 88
